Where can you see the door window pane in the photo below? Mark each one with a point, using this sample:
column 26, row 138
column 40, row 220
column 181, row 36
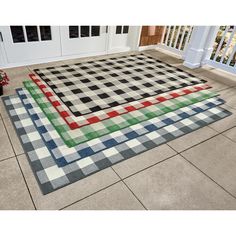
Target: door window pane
column 45, row 32
column 118, row 29
column 125, row 29
column 32, row 33
column 84, row 31
column 17, row 34
column 95, row 30
column 73, row 32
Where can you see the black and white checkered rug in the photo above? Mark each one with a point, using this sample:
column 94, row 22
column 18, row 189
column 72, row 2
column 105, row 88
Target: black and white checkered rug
column 97, row 85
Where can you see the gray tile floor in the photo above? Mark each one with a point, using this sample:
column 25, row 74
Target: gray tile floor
column 196, row 171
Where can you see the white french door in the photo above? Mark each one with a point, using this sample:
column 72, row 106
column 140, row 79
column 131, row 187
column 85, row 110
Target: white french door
column 29, row 43
column 22, row 45
column 77, row 40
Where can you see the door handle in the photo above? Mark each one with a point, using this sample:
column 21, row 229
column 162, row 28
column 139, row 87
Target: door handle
column 1, row 38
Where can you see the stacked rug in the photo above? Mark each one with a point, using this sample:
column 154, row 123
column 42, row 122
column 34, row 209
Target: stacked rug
column 74, row 120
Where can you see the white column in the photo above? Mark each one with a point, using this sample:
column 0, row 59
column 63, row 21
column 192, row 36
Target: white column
column 210, row 43
column 200, row 46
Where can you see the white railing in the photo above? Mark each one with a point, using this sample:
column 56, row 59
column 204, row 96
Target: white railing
column 176, row 39
column 224, row 50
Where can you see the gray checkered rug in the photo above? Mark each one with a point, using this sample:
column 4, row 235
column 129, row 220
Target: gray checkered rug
column 51, row 177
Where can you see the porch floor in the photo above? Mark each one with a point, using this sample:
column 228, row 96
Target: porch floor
column 196, row 171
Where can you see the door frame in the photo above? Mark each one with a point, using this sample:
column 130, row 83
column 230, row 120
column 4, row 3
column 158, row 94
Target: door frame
column 3, row 56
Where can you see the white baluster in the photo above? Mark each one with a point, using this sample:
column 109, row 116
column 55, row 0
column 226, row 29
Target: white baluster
column 167, row 35
column 228, row 44
column 182, row 38
column 231, row 55
column 163, row 35
column 172, row 36
column 221, row 42
column 187, row 38
column 177, row 36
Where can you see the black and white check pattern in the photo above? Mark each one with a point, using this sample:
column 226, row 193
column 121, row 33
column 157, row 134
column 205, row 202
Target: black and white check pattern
column 93, row 86
column 64, row 154
column 51, row 177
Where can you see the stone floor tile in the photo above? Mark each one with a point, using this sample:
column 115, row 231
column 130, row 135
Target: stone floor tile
column 115, row 197
column 6, row 150
column 192, row 139
column 13, row 191
column 176, row 185
column 216, row 158
column 229, row 95
column 231, row 134
column 142, row 161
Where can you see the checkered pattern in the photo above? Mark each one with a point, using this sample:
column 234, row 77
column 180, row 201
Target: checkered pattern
column 91, row 118
column 89, row 132
column 64, row 155
column 51, row 177
column 93, row 86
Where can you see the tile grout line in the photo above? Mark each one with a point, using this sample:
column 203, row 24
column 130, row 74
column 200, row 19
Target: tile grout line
column 228, row 137
column 20, row 167
column 128, row 176
column 5, row 159
column 218, row 133
column 26, row 183
column 204, row 173
column 208, row 176
column 130, row 190
column 1, row 118
column 62, row 208
column 222, row 132
column 230, row 106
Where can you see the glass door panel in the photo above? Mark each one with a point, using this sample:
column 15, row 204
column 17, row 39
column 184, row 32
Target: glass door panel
column 83, row 39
